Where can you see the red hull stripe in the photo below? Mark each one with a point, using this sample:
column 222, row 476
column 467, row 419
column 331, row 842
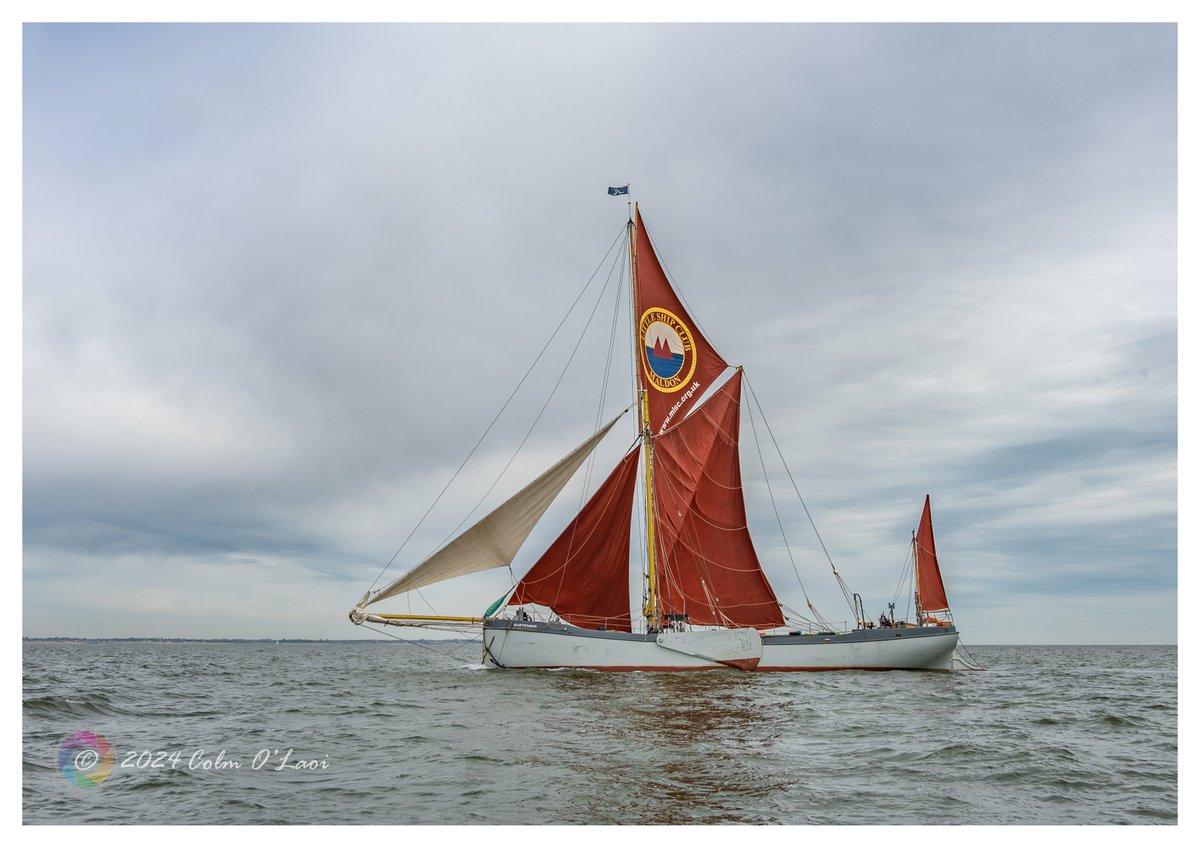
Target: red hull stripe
column 710, row 668
column 748, row 664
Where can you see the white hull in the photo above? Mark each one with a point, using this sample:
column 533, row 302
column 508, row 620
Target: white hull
column 508, row 644
column 933, row 651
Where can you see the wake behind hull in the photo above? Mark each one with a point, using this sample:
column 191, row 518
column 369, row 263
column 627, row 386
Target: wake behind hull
column 516, row 644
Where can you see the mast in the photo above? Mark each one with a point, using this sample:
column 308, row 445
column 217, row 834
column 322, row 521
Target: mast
column 916, row 576
column 701, row 563
column 651, row 608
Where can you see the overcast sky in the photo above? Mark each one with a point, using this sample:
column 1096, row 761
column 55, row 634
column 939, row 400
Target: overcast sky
column 278, row 279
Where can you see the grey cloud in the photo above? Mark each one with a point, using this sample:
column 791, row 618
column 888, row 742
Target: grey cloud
column 278, row 279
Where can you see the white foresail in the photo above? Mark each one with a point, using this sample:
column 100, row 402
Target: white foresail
column 495, row 539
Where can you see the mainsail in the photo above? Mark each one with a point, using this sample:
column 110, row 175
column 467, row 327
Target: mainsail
column 584, row 575
column 494, row 540
column 930, row 591
column 708, row 569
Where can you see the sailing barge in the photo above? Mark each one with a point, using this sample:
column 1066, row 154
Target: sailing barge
column 707, row 603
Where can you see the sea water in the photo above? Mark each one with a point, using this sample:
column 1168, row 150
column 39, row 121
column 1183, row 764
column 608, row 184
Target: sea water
column 393, row 733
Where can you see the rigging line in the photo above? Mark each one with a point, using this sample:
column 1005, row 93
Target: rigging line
column 717, row 613
column 413, row 642
column 778, row 450
column 591, row 463
column 694, row 513
column 426, row 600
column 908, row 608
column 568, row 560
column 705, row 584
column 914, row 583
column 612, row 337
column 688, row 530
column 487, row 649
column 817, row 619
column 471, row 453
column 671, row 279
column 797, row 616
column 771, row 492
column 754, row 396
column 541, row 412
column 562, row 569
column 904, row 571
column 667, row 580
column 970, row 656
column 701, row 410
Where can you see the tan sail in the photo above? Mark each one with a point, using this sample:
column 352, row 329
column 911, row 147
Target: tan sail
column 494, row 540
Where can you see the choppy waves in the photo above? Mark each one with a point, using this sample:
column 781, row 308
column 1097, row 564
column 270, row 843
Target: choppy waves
column 1048, row 735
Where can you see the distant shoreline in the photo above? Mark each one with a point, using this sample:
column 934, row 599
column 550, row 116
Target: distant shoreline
column 187, row 641
column 181, row 640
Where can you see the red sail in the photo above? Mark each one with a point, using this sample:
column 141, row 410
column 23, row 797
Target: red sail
column 706, row 565
column 929, row 577
column 584, row 575
column 677, row 362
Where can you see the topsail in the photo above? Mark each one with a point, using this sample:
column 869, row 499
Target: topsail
column 677, row 362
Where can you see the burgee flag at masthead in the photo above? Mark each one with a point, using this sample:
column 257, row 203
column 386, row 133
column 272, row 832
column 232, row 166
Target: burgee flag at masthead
column 615, row 190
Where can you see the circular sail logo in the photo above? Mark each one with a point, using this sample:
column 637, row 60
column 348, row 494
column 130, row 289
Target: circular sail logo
column 670, row 352
column 85, row 758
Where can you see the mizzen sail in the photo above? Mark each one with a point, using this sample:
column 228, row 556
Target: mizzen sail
column 494, row 540
column 930, row 591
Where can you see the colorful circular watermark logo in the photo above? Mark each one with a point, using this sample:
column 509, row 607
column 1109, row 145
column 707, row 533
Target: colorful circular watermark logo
column 85, row 758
